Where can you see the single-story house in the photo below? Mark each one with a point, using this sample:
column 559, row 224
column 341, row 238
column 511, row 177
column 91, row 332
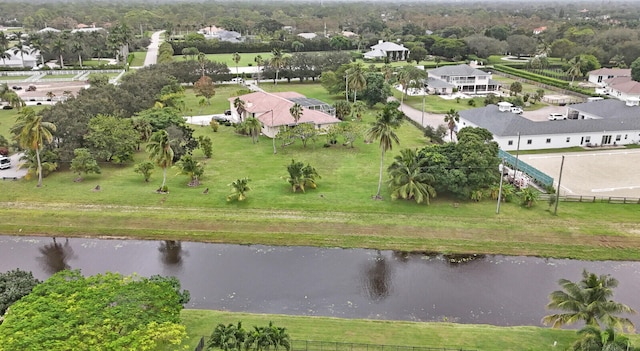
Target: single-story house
column 464, row 78
column 49, row 29
column 597, row 123
column 272, row 110
column 388, row 50
column 599, row 76
column 213, row 32
column 88, row 30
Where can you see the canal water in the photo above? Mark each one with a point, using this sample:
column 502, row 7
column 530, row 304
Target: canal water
column 346, row 283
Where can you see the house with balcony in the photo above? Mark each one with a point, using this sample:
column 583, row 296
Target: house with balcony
column 463, row 78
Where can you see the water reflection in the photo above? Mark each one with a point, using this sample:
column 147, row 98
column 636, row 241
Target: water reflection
column 55, row 256
column 171, row 252
column 377, row 277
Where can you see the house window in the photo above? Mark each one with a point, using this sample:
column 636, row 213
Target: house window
column 587, row 139
column 618, row 137
column 568, row 139
column 548, row 140
column 625, row 136
column 510, row 142
column 529, row 141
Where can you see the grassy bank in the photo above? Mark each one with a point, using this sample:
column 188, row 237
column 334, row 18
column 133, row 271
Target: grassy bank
column 438, row 335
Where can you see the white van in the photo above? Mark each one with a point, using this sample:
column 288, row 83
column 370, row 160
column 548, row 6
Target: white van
column 557, row 116
column 5, row 162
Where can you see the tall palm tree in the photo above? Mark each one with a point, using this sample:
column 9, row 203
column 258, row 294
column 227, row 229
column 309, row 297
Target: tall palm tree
column 575, row 68
column 236, row 58
column 383, row 130
column 77, row 48
column 21, row 49
column 239, row 105
column 451, row 118
column 409, row 179
column 410, row 77
column 259, row 62
column 58, row 48
column 160, row 151
column 588, row 301
column 277, row 61
column 31, row 133
column 296, row 112
column 356, row 79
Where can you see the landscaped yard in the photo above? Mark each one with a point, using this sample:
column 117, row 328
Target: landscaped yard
column 138, row 58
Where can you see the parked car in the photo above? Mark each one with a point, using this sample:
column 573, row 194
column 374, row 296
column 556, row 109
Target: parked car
column 31, row 88
column 237, row 80
column 220, row 119
column 5, row 162
column 16, row 87
column 556, row 116
column 227, row 112
column 517, row 110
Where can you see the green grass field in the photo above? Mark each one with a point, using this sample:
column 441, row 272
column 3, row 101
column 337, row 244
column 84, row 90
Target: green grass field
column 58, row 76
column 440, row 335
column 138, row 58
column 5, row 78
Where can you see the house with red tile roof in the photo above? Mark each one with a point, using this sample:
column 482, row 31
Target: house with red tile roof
column 272, row 110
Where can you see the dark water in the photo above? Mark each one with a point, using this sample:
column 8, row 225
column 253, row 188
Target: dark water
column 495, row 290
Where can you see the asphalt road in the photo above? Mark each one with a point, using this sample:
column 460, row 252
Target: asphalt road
column 152, row 50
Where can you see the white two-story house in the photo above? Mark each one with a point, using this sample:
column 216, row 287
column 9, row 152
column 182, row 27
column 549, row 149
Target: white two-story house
column 463, row 78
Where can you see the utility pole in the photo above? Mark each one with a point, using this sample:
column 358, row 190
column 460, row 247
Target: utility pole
column 424, row 92
column 346, row 89
column 515, row 167
column 500, row 191
column 555, row 211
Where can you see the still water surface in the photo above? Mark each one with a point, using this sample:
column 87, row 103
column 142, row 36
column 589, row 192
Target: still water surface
column 499, row 290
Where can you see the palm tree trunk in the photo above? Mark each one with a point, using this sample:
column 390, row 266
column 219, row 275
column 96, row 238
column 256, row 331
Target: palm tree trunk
column 80, row 59
column 380, row 179
column 355, row 94
column 164, row 177
column 39, row 167
column 276, row 81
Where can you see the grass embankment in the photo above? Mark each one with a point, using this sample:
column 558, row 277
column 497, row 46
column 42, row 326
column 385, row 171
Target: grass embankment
column 434, row 334
column 138, row 58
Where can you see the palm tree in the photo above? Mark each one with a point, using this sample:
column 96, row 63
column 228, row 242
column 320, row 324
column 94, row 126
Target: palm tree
column 301, row 176
column 358, row 109
column 160, row 151
column 387, row 72
column 236, row 58
column 253, row 127
column 31, row 133
column 528, row 196
column 259, row 62
column 189, row 166
column 279, row 337
column 594, row 339
column 240, row 187
column 356, row 79
column 277, row 61
column 238, row 104
column 227, row 337
column 588, row 301
column 21, row 49
column 77, row 48
column 296, row 112
column 58, row 48
column 384, row 130
column 410, row 77
column 451, row 118
column 575, row 68
column 202, row 60
column 409, row 180
column 297, row 46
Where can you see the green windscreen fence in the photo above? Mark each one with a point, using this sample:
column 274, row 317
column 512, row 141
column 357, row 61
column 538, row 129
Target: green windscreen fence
column 537, row 175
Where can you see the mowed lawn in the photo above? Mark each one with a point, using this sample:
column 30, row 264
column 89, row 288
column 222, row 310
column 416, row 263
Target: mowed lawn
column 442, row 335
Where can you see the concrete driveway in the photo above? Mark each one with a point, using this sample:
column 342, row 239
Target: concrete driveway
column 13, row 172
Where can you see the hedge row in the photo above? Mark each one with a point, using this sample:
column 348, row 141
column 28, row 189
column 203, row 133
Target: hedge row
column 544, row 80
